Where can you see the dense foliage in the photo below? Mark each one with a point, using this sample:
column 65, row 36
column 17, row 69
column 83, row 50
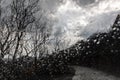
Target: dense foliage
column 25, row 69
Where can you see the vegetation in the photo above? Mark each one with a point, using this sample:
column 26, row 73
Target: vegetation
column 100, row 50
column 21, row 20
column 24, row 32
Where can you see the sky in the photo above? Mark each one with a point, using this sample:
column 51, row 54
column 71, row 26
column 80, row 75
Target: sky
column 74, row 20
column 78, row 19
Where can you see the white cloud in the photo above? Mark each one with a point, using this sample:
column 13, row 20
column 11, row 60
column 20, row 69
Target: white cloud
column 76, row 21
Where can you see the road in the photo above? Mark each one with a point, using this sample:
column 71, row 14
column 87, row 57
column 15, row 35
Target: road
column 82, row 73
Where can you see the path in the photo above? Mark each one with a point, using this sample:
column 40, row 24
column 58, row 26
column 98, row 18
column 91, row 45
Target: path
column 82, row 73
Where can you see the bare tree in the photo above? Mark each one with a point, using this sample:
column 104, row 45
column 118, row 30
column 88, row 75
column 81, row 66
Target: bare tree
column 22, row 22
column 5, row 33
column 22, row 15
column 39, row 38
column 60, row 44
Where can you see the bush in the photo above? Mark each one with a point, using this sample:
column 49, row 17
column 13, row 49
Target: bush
column 24, row 68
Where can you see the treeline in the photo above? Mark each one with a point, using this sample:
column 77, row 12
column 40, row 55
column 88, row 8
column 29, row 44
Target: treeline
column 24, row 68
column 100, row 50
column 24, row 33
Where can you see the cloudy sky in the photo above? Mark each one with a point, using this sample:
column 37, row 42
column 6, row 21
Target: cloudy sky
column 78, row 19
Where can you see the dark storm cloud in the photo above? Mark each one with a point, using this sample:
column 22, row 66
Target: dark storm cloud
column 84, row 2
